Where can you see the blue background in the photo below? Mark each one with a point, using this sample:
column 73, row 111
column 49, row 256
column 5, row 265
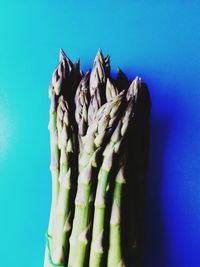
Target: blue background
column 158, row 40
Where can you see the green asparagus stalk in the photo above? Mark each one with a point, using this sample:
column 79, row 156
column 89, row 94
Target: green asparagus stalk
column 136, row 152
column 54, row 166
column 55, row 90
column 115, row 257
column 96, row 136
column 111, row 150
column 59, row 77
column 63, row 208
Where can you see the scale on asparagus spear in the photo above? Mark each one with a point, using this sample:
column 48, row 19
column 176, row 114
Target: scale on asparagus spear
column 91, row 118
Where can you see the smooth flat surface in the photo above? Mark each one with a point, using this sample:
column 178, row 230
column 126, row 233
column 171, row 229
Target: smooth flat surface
column 158, row 40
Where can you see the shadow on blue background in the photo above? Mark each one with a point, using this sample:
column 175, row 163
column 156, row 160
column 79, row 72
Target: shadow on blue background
column 157, row 40
column 155, row 235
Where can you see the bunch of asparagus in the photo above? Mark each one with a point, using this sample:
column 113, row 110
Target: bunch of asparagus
column 92, row 119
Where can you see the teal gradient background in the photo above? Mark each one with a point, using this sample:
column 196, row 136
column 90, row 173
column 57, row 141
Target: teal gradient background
column 158, row 40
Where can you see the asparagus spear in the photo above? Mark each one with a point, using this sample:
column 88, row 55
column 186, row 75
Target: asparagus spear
column 96, row 136
column 101, row 68
column 136, row 152
column 113, row 147
column 63, row 208
column 54, row 166
column 58, row 81
column 115, row 257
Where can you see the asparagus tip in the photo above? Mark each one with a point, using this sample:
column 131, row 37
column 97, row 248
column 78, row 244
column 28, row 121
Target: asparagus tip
column 77, row 63
column 63, row 56
column 133, row 88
